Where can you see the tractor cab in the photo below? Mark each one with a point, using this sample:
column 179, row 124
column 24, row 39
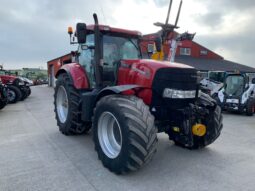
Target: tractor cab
column 235, row 85
column 114, row 47
column 101, row 49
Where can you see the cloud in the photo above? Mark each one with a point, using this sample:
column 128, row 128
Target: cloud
column 161, row 3
column 229, row 4
column 211, row 19
column 227, row 27
column 34, row 31
column 217, row 10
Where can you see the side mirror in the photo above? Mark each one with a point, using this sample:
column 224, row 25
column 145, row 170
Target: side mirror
column 150, row 48
column 158, row 44
column 253, row 81
column 81, row 33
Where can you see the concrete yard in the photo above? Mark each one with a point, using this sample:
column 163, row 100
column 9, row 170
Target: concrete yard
column 34, row 155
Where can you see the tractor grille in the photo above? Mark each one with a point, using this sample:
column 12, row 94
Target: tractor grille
column 173, row 78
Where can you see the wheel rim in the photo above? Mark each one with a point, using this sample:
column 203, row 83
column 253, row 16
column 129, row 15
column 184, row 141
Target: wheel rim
column 11, row 95
column 109, row 134
column 62, row 104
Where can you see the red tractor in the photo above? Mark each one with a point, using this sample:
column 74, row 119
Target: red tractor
column 127, row 100
column 3, row 95
column 18, row 89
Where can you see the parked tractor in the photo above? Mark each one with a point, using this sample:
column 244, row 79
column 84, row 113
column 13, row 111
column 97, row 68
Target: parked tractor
column 3, row 95
column 237, row 94
column 27, row 83
column 210, row 86
column 17, row 89
column 127, row 100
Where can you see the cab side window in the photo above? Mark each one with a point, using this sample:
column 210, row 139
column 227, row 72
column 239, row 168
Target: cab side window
column 86, row 57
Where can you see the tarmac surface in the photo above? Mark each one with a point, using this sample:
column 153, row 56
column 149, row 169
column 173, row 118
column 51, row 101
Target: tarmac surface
column 34, row 155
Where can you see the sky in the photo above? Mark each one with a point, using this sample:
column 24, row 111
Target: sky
column 35, row 31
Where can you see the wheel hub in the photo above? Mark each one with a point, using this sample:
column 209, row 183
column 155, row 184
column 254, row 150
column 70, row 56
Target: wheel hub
column 62, row 104
column 11, row 95
column 109, row 134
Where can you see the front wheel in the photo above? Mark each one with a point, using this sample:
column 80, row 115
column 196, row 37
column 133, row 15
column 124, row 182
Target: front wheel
column 28, row 91
column 67, row 110
column 3, row 97
column 14, row 94
column 124, row 133
column 24, row 93
column 250, row 108
column 3, row 103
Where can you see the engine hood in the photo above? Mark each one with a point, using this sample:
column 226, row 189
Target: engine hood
column 164, row 64
column 143, row 71
column 7, row 79
column 154, row 64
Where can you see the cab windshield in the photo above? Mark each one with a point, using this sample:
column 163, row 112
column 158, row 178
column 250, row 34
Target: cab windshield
column 117, row 48
column 234, row 85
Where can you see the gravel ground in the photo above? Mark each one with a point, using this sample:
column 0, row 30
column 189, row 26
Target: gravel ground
column 34, row 155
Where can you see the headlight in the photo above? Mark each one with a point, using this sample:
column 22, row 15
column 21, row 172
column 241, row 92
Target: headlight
column 179, row 94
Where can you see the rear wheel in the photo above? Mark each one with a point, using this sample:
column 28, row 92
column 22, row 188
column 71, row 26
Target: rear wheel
column 14, row 94
column 67, row 110
column 124, row 133
column 250, row 108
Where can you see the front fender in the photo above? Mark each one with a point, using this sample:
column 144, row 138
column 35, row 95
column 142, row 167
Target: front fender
column 116, row 90
column 90, row 98
column 77, row 74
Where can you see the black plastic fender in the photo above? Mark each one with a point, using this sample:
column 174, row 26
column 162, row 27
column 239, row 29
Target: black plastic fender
column 115, row 90
column 90, row 98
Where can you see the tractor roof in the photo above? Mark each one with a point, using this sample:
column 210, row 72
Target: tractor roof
column 107, row 29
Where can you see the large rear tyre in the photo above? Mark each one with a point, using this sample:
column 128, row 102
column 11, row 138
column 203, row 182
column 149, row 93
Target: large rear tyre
column 212, row 121
column 250, row 108
column 14, row 94
column 67, row 107
column 124, row 133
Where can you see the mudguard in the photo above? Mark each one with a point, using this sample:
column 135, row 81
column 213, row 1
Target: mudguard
column 90, row 98
column 116, row 90
column 77, row 74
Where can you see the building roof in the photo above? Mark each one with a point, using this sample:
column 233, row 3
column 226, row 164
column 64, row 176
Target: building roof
column 60, row 57
column 213, row 64
column 201, row 46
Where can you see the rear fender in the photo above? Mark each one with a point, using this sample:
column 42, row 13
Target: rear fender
column 77, row 75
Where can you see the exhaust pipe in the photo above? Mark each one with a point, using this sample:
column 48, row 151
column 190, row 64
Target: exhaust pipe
column 98, row 54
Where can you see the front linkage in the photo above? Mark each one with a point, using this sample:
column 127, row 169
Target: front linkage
column 198, row 125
